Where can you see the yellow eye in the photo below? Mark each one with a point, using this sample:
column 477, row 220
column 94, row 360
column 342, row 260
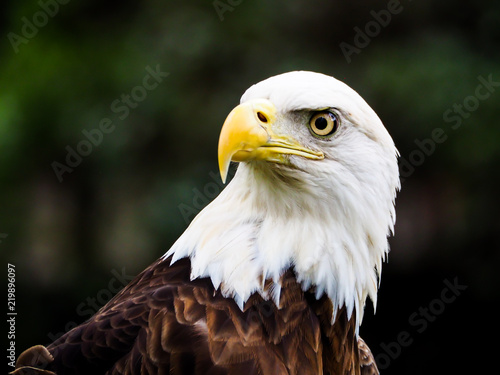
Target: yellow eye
column 324, row 124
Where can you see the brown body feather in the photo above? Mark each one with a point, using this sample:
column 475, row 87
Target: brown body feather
column 165, row 323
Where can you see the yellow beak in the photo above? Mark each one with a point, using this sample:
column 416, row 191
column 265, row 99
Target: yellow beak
column 247, row 134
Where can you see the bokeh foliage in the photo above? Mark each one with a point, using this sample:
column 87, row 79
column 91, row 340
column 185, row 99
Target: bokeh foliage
column 121, row 207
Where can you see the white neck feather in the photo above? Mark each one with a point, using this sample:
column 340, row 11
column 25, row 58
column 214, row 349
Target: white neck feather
column 332, row 232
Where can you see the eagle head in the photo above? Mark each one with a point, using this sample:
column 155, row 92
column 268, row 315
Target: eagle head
column 314, row 191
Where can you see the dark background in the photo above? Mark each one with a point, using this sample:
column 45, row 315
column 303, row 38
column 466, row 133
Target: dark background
column 124, row 204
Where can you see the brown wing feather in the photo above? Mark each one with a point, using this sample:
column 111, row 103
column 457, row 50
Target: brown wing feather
column 366, row 359
column 164, row 323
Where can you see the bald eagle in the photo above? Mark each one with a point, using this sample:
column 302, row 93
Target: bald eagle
column 273, row 275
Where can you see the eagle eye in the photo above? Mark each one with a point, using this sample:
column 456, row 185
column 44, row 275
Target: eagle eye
column 324, row 124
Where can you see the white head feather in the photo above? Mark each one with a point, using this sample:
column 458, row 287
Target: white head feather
column 328, row 219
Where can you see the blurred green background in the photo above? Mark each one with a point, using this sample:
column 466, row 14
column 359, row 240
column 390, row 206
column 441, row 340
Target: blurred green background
column 75, row 242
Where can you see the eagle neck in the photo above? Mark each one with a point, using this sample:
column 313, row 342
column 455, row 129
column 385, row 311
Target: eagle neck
column 266, row 222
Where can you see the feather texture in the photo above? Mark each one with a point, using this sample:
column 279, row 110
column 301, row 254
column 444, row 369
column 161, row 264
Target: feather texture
column 165, row 323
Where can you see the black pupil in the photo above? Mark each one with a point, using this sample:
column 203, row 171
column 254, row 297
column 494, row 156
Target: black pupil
column 321, row 123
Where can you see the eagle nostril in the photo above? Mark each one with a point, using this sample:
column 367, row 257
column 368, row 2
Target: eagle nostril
column 262, row 117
